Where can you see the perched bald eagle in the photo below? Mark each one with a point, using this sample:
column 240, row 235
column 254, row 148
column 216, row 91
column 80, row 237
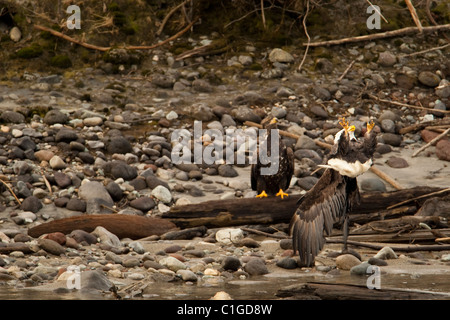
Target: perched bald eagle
column 272, row 184
column 333, row 196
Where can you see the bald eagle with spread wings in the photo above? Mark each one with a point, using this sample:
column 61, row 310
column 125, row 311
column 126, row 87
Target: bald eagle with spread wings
column 334, row 195
column 278, row 182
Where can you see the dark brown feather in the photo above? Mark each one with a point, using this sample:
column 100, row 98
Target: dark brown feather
column 271, row 184
column 321, row 207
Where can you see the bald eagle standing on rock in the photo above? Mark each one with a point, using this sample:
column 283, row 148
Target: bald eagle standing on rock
column 334, row 195
column 272, row 184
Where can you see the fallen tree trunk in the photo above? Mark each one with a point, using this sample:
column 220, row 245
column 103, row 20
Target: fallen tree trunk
column 409, row 248
column 10, row 247
column 336, row 291
column 415, row 236
column 222, row 213
column 382, row 35
column 122, row 225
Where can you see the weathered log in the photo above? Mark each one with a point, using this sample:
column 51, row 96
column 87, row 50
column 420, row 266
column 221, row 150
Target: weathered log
column 423, row 125
column 122, row 225
column 336, row 291
column 185, row 234
column 10, row 247
column 416, row 236
column 402, row 224
column 409, row 248
column 363, row 218
column 233, row 212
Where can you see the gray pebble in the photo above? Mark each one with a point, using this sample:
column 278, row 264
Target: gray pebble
column 231, row 263
column 388, row 126
column 373, row 184
column 187, row 275
column 256, row 266
column 360, row 269
column 287, row 263
column 377, row 262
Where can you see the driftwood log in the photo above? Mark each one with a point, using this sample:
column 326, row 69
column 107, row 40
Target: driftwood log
column 122, row 225
column 336, row 291
column 272, row 210
column 10, row 247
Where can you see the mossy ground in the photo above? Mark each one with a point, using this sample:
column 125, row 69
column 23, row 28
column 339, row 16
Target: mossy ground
column 115, row 23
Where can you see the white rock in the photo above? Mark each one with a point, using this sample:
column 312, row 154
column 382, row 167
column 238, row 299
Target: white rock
column 279, row 55
column 445, row 257
column 166, row 272
column 162, row 193
column 229, row 235
column 237, row 184
column 93, row 121
column 245, row 60
column 4, row 238
column 57, row 163
column 15, row 34
column 106, row 237
column 221, row 295
column 16, row 133
column 115, row 273
column 95, row 144
column 17, row 254
column 136, row 276
column 296, row 129
column 386, row 253
column 162, row 208
column 187, row 275
column 137, row 247
column 269, row 246
column 227, row 195
column 171, row 115
column 172, row 264
column 28, row 216
column 211, row 272
column 165, row 174
column 183, row 201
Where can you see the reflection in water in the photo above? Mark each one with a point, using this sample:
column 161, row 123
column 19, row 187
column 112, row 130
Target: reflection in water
column 257, row 288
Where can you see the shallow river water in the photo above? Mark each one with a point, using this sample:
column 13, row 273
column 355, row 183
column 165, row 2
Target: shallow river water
column 256, row 288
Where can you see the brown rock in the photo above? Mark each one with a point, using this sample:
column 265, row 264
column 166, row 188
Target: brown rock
column 347, row 261
column 72, row 243
column 164, row 123
column 173, row 248
column 443, row 150
column 59, row 237
column 428, row 135
column 395, row 162
column 51, row 246
column 178, row 257
column 44, row 155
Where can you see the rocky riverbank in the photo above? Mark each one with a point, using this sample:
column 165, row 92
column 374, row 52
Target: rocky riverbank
column 97, row 140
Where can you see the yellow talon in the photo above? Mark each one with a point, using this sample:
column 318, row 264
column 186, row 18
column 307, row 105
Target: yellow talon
column 282, row 194
column 263, row 194
column 344, row 124
column 370, row 126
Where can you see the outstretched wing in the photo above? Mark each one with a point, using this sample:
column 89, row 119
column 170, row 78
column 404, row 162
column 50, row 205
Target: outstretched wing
column 320, row 208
